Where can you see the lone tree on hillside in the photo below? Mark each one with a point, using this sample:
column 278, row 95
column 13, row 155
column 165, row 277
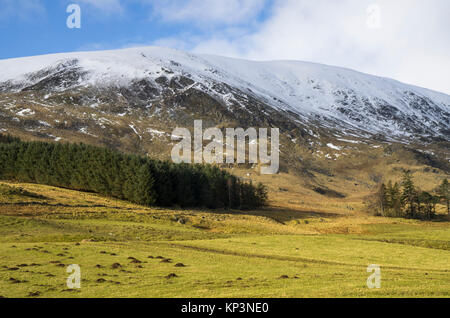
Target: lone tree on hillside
column 444, row 193
column 409, row 194
column 382, row 198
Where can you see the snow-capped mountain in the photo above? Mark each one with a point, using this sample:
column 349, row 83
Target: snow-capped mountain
column 330, row 96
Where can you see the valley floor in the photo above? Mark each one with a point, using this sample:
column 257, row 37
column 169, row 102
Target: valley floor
column 125, row 250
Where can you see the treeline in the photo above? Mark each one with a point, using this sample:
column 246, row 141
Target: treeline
column 129, row 177
column 405, row 200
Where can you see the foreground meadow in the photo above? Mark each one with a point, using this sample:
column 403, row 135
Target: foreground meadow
column 125, row 250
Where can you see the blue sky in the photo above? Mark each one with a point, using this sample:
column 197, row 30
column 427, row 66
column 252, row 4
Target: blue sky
column 407, row 40
column 33, row 27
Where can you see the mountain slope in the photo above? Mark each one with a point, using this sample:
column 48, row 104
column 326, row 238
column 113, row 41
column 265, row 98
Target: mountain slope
column 341, row 131
column 333, row 96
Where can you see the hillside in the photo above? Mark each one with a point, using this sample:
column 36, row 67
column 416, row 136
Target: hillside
column 133, row 178
column 126, row 250
column 298, row 90
column 340, row 129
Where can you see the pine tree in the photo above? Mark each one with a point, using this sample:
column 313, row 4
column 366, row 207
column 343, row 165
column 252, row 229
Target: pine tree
column 444, row 193
column 409, row 195
column 262, row 194
column 396, row 200
column 383, row 199
column 428, row 210
column 145, row 193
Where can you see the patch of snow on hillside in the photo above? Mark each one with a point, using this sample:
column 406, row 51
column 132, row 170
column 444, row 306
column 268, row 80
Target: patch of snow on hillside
column 25, row 112
column 330, row 145
column 350, row 141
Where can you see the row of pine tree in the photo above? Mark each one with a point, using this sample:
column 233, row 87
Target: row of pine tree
column 129, row 177
column 406, row 200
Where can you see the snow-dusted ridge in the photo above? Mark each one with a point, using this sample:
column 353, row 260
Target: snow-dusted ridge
column 336, row 96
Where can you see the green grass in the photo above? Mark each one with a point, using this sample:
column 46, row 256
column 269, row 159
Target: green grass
column 269, row 253
column 430, row 235
column 11, row 194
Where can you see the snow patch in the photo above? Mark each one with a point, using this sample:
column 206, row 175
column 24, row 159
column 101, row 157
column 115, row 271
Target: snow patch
column 26, row 112
column 330, row 145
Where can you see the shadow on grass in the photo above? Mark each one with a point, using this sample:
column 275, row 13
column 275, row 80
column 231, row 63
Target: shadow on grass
column 279, row 214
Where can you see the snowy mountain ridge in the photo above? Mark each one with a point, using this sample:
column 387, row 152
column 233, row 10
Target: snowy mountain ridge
column 332, row 96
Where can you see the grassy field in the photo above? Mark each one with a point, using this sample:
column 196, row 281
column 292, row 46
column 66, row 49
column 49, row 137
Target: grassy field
column 286, row 250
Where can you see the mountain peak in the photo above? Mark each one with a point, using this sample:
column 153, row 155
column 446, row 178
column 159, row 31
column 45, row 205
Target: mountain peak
column 332, row 96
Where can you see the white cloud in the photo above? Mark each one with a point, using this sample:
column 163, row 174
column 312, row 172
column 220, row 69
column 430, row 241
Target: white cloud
column 211, row 12
column 21, row 9
column 411, row 43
